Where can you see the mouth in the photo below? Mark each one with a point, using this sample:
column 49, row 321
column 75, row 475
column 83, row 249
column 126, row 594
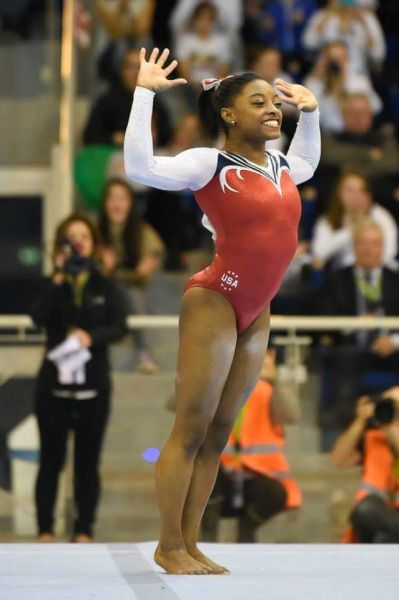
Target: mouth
column 271, row 123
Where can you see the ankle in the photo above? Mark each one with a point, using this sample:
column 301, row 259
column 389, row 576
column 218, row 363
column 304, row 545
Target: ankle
column 171, row 546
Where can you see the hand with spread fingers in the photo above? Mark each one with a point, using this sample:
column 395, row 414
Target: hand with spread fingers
column 152, row 74
column 296, row 95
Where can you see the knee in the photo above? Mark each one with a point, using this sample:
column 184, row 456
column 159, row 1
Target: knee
column 218, row 434
column 366, row 510
column 191, row 435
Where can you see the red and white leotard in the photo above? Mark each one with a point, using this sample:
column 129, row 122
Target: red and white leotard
column 253, row 212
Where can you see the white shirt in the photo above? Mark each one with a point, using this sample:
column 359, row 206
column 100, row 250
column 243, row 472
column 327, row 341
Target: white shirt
column 336, row 244
column 205, row 55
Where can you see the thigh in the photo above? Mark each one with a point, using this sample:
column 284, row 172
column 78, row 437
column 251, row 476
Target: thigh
column 53, row 416
column 89, row 427
column 245, row 369
column 207, row 342
column 266, row 496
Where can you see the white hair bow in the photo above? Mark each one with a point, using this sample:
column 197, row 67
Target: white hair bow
column 210, row 84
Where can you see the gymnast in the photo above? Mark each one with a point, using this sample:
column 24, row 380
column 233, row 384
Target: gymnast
column 252, row 207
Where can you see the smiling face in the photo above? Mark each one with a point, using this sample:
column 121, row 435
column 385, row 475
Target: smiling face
column 118, row 204
column 256, row 112
column 354, row 195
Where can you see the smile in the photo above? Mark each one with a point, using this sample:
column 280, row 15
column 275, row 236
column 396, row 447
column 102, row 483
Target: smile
column 271, row 123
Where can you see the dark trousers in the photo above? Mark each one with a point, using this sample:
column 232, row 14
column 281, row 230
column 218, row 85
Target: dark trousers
column 374, row 522
column 87, row 419
column 262, row 499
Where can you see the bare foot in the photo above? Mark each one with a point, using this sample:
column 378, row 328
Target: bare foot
column 45, row 538
column 179, row 562
column 82, row 538
column 204, row 560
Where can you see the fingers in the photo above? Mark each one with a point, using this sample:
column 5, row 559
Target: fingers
column 142, row 56
column 170, row 68
column 175, row 82
column 287, row 99
column 163, row 57
column 154, row 55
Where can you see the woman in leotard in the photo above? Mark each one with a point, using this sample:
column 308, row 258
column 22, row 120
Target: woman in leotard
column 252, row 206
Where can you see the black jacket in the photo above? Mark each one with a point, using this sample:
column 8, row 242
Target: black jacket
column 102, row 314
column 339, row 293
column 110, row 114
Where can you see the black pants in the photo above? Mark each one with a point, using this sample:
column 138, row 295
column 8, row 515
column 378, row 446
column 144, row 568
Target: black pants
column 87, row 419
column 263, row 498
column 374, row 522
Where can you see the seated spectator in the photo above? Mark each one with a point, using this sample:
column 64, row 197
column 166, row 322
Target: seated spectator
column 358, row 27
column 331, row 79
column 131, row 253
column 362, row 146
column 278, row 24
column 352, row 202
column 110, row 114
column 123, row 24
column 228, row 22
column 82, row 313
column 363, row 362
column 254, row 481
column 372, row 442
column 203, row 53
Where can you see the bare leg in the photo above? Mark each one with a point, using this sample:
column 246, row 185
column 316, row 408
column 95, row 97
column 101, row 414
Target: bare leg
column 207, row 345
column 244, row 373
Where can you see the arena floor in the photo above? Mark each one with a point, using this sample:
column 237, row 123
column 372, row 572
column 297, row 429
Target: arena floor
column 261, row 571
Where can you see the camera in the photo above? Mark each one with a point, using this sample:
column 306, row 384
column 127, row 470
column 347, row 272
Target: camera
column 75, row 263
column 384, row 412
column 333, row 68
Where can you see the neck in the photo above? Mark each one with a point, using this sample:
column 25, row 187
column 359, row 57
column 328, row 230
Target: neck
column 255, row 152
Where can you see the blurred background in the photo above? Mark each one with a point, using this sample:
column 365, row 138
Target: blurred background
column 68, row 71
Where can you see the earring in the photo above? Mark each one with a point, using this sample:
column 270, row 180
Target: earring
column 233, row 123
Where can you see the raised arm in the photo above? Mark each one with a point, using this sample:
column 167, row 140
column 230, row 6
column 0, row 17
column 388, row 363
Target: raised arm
column 304, row 152
column 190, row 169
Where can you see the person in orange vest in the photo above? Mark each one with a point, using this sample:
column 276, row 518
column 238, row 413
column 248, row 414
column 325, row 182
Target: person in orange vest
column 254, row 482
column 372, row 441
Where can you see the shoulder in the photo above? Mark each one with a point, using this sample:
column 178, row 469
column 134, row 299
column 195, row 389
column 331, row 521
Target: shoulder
column 279, row 156
column 381, row 214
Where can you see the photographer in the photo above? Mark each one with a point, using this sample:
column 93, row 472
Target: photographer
column 82, row 313
column 332, row 79
column 372, row 440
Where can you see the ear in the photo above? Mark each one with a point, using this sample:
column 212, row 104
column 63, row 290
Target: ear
column 228, row 116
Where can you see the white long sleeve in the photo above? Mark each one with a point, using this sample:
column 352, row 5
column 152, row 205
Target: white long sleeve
column 190, row 169
column 304, row 151
column 195, row 167
column 328, row 243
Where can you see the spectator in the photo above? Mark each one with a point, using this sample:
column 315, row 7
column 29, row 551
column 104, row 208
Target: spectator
column 110, row 114
column 229, row 21
column 250, row 484
column 278, row 24
column 363, row 146
column 351, row 203
column 203, row 53
column 131, row 253
column 367, row 361
column 123, row 24
column 358, row 27
column 82, row 313
column 372, row 441
column 331, row 79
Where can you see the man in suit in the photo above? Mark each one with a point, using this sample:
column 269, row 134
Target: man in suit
column 363, row 362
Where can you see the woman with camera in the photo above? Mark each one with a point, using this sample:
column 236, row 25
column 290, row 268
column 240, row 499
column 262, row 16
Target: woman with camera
column 372, row 441
column 82, row 313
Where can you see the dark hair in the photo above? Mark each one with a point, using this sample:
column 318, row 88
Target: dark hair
column 211, row 102
column 61, row 233
column 335, row 212
column 203, row 6
column 132, row 229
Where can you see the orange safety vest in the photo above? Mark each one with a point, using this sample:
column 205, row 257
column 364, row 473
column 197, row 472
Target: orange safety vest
column 378, row 477
column 257, row 444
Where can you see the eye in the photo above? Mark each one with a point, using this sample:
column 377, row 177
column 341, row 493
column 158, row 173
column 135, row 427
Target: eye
column 258, row 103
column 278, row 104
